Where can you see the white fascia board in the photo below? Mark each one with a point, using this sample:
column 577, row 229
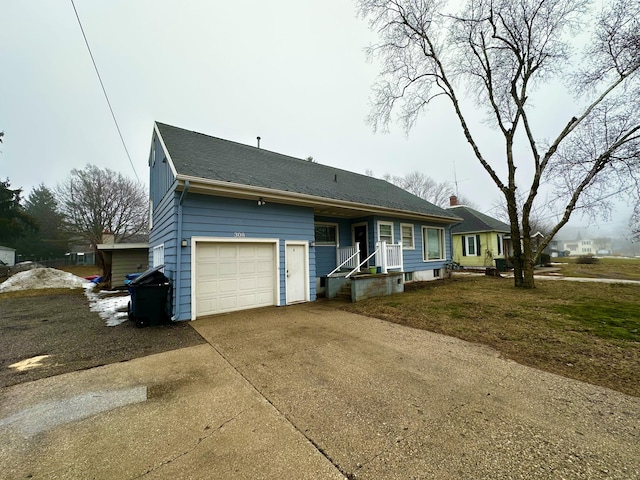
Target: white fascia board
column 166, row 150
column 237, row 190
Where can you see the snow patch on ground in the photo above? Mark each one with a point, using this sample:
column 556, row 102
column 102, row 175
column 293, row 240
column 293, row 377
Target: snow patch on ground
column 112, row 306
column 43, row 278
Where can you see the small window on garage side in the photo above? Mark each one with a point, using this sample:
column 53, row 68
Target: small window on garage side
column 385, row 232
column 408, row 243
column 158, row 255
column 326, row 234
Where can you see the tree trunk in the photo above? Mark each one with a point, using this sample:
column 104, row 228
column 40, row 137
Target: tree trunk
column 528, row 258
column 515, row 237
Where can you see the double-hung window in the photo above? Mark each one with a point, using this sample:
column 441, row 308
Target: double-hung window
column 471, row 245
column 433, row 243
column 385, row 232
column 406, row 231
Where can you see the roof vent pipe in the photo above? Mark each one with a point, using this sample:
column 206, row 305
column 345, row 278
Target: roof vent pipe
column 258, row 141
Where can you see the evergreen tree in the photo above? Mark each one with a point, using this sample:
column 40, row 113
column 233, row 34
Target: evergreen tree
column 14, row 221
column 49, row 241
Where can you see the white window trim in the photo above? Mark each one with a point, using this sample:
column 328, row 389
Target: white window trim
column 500, row 244
column 425, row 244
column 386, row 223
column 413, row 237
column 157, row 259
column 326, row 244
column 475, row 245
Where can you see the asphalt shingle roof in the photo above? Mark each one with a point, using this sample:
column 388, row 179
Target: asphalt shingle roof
column 474, row 221
column 198, row 155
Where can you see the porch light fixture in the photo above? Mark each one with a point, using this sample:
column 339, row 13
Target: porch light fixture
column 183, row 242
column 261, row 202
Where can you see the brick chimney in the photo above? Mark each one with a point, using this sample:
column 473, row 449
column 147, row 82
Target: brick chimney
column 453, row 201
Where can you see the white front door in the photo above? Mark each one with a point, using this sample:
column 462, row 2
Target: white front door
column 296, row 271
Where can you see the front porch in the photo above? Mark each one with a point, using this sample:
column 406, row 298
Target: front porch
column 354, row 280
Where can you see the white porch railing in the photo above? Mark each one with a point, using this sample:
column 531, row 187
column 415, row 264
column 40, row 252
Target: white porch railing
column 389, row 256
column 346, row 257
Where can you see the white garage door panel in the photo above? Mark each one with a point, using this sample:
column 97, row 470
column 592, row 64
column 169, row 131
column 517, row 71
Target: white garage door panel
column 234, row 276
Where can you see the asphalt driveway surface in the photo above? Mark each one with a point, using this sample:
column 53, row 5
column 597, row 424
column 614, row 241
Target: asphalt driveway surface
column 382, row 401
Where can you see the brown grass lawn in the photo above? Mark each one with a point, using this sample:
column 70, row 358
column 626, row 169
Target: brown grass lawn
column 586, row 331
column 82, row 270
column 610, row 267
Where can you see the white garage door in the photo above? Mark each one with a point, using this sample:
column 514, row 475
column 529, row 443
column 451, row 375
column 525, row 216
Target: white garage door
column 234, row 276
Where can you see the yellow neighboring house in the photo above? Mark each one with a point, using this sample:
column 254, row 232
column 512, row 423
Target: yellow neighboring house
column 479, row 239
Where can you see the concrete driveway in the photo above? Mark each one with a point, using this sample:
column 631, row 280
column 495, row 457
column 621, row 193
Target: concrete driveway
column 382, row 401
column 311, row 392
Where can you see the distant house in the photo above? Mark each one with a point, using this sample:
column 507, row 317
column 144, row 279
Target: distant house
column 124, row 258
column 587, row 246
column 239, row 227
column 8, row 255
column 479, row 239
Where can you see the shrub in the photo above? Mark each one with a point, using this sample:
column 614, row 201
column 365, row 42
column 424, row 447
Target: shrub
column 586, row 259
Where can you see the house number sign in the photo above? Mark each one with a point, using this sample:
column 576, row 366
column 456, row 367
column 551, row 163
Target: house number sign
column 238, row 234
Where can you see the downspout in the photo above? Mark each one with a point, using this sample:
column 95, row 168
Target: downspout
column 179, row 251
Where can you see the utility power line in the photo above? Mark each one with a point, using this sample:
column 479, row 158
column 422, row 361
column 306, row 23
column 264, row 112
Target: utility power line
column 115, row 121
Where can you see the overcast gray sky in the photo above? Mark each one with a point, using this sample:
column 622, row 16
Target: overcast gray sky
column 293, row 72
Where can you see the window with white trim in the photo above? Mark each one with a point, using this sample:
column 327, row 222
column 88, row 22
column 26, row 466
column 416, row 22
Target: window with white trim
column 500, row 242
column 326, row 234
column 433, row 243
column 471, row 246
column 406, row 233
column 158, row 255
column 385, row 232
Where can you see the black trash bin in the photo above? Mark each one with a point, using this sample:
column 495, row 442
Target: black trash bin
column 501, row 264
column 150, row 298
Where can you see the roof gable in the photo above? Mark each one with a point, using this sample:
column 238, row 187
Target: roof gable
column 209, row 158
column 474, row 221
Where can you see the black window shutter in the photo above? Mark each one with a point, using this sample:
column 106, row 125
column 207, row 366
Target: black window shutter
column 464, row 246
column 478, row 250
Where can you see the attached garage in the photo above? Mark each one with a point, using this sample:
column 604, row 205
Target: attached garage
column 234, row 275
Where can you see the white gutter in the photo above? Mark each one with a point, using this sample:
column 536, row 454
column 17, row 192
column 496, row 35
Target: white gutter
column 247, row 191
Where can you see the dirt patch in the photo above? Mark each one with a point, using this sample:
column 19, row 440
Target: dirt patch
column 66, row 336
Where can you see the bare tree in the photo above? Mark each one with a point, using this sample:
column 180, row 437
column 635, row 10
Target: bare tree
column 95, row 201
column 426, row 188
column 498, row 52
column 422, row 186
column 538, row 219
column 634, row 223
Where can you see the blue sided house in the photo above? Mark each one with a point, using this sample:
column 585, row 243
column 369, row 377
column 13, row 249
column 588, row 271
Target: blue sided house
column 240, row 227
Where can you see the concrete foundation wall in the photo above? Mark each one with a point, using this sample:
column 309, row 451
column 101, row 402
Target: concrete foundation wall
column 379, row 285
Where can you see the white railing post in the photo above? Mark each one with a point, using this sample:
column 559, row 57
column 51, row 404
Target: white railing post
column 383, row 254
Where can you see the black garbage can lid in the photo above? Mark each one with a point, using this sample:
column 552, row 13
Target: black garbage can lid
column 153, row 275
